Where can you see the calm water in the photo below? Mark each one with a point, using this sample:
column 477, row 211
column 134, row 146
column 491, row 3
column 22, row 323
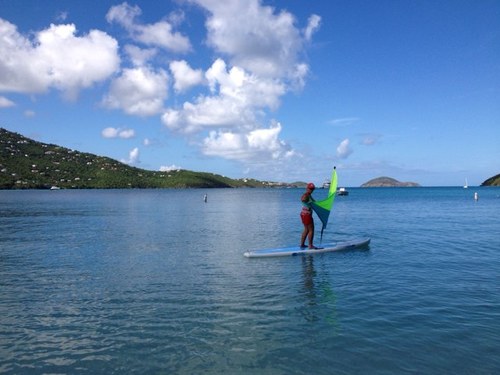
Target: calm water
column 154, row 281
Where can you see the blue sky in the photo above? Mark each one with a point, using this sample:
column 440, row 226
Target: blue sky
column 279, row 90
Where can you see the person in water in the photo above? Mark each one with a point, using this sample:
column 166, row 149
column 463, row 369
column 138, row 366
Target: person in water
column 307, row 218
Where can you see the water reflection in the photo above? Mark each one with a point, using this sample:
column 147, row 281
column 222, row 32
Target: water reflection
column 320, row 303
column 309, row 273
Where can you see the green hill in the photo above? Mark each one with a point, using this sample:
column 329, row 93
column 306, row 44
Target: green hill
column 388, row 182
column 28, row 164
column 492, row 181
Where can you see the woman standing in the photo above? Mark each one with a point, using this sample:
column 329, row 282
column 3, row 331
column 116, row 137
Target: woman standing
column 306, row 216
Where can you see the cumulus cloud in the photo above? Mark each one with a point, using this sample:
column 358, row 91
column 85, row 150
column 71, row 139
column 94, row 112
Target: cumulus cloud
column 5, row 103
column 159, row 34
column 184, row 76
column 133, row 156
column 259, row 61
column 237, row 99
column 138, row 91
column 140, row 56
column 56, row 58
column 123, row 14
column 255, row 37
column 259, row 144
column 117, row 133
column 343, row 149
column 250, row 90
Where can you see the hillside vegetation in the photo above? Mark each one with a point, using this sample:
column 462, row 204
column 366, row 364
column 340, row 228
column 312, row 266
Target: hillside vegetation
column 28, row 164
column 492, row 181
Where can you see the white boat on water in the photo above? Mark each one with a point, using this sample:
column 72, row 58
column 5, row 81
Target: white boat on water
column 342, row 191
column 466, row 184
column 55, row 188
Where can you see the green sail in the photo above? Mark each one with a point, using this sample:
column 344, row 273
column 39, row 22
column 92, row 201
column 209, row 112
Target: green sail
column 323, row 207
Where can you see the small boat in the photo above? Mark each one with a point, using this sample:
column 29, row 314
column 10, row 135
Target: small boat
column 342, row 191
column 55, row 188
column 466, row 184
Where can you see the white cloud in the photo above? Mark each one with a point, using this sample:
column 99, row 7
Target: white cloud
column 126, row 133
column 258, row 52
column 118, row 133
column 57, row 58
column 207, row 112
column 238, row 98
column 133, row 156
column 346, row 121
column 250, row 90
column 123, row 14
column 109, row 133
column 312, row 25
column 140, row 56
column 169, row 168
column 184, row 76
column 263, row 49
column 256, row 37
column 256, row 145
column 343, row 149
column 298, row 76
column 138, row 91
column 5, row 103
column 159, row 34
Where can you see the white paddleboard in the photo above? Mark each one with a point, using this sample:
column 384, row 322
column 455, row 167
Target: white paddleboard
column 296, row 250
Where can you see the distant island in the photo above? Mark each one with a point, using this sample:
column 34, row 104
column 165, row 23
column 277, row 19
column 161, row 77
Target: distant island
column 28, row 164
column 388, row 182
column 492, row 181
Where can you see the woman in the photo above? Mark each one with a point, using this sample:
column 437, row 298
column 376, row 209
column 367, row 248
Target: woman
column 306, row 216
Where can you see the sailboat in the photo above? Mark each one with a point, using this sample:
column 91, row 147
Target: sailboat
column 466, row 184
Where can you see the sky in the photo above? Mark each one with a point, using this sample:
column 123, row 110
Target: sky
column 279, row 90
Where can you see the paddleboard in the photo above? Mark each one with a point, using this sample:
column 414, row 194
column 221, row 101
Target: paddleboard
column 296, row 250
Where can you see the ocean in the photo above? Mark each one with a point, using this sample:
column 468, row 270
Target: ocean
column 155, row 282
